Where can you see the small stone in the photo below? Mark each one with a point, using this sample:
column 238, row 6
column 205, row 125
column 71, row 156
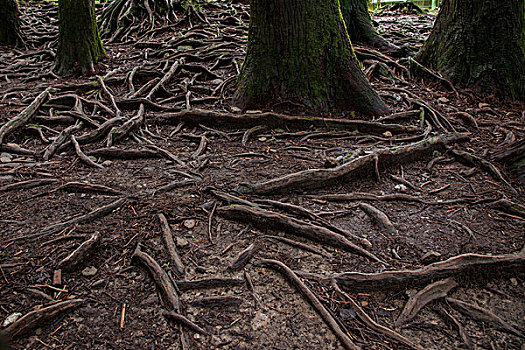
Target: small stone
column 11, row 319
column 93, row 158
column 189, row 224
column 181, row 242
column 262, row 139
column 387, row 134
column 364, row 303
column 401, row 187
column 235, row 109
column 514, row 281
column 5, row 157
column 89, row 271
column 430, row 257
column 107, row 163
column 443, row 100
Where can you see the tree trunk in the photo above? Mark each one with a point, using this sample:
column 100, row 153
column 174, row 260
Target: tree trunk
column 480, row 44
column 299, row 52
column 359, row 25
column 10, row 33
column 79, row 44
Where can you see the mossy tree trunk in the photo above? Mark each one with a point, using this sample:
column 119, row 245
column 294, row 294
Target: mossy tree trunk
column 359, row 25
column 79, row 44
column 10, row 33
column 480, row 44
column 299, row 52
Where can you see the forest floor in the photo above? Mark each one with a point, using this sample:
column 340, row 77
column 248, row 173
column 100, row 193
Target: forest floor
column 179, row 168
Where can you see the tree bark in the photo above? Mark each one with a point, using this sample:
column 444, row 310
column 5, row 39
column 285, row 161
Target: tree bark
column 480, row 44
column 359, row 25
column 299, row 52
column 79, row 44
column 10, row 33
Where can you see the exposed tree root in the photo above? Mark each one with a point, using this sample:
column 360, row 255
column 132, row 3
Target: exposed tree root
column 320, row 177
column 472, row 159
column 483, row 315
column 92, row 215
column 456, row 265
column 245, row 256
column 180, row 319
column 312, row 299
column 208, row 283
column 25, row 116
column 301, row 211
column 122, row 17
column 464, row 336
column 168, row 291
column 206, row 117
column 370, row 323
column 171, row 248
column 218, row 301
column 35, row 318
column 269, row 220
column 379, row 217
column 79, row 254
column 26, row 184
column 436, row 290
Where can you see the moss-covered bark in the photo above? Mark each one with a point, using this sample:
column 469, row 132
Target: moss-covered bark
column 481, row 44
column 79, row 44
column 299, row 51
column 359, row 25
column 10, row 33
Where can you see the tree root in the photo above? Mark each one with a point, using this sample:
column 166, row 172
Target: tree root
column 474, row 160
column 301, row 211
column 483, row 315
column 245, row 256
column 379, row 217
column 174, row 257
column 370, row 323
column 208, row 283
column 275, row 120
column 79, row 254
column 431, row 292
column 26, row 184
column 92, row 215
column 320, row 177
column 312, row 300
column 270, row 220
column 464, row 336
column 168, row 291
column 217, row 301
column 34, row 318
column 82, row 156
column 25, row 116
column 456, row 265
column 180, row 319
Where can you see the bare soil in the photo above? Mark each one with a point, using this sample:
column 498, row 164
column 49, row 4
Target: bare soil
column 122, row 307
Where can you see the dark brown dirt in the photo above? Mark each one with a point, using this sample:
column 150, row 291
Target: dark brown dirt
column 278, row 317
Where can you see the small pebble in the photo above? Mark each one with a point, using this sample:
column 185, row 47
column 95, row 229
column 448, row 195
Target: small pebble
column 189, row 224
column 107, row 163
column 430, row 257
column 89, row 271
column 11, row 319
